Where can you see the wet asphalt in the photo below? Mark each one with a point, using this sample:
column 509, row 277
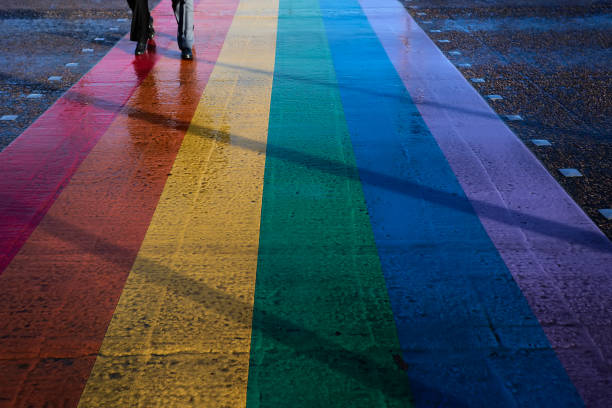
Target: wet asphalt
column 549, row 60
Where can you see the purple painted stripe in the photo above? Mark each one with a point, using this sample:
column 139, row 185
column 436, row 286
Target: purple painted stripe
column 558, row 257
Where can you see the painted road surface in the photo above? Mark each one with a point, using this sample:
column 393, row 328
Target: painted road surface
column 318, row 211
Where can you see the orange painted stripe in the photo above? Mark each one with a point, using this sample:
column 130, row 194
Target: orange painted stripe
column 180, row 335
column 60, row 291
column 36, row 167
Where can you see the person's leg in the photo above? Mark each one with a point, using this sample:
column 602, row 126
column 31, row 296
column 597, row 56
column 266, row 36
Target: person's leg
column 142, row 24
column 140, row 19
column 183, row 11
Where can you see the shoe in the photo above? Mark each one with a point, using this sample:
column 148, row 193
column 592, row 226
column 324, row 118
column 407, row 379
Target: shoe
column 186, row 54
column 150, row 29
column 141, row 47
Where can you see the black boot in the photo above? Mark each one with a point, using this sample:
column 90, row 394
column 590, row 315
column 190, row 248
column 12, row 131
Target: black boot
column 150, row 30
column 141, row 47
column 186, row 54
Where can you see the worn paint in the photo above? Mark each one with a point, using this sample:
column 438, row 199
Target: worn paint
column 323, row 333
column 559, row 259
column 44, row 157
column 58, row 294
column 180, row 334
column 448, row 286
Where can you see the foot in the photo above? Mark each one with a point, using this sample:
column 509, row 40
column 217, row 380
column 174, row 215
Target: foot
column 150, row 29
column 186, row 54
column 141, row 47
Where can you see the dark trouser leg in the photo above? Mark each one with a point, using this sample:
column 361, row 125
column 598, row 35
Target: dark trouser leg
column 183, row 11
column 140, row 20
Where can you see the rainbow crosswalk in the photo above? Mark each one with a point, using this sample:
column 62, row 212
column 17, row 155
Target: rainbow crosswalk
column 318, row 211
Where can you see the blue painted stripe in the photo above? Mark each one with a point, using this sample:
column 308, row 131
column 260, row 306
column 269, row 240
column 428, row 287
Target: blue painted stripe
column 323, row 330
column 465, row 328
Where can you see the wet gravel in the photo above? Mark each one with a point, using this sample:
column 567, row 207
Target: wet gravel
column 551, row 63
column 38, row 39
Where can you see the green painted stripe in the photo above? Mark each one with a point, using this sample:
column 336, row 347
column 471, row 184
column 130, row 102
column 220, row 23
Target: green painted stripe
column 323, row 331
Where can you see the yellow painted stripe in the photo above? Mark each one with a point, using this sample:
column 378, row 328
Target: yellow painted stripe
column 180, row 335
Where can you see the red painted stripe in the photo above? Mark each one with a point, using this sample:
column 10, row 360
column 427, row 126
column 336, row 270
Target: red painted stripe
column 38, row 164
column 60, row 291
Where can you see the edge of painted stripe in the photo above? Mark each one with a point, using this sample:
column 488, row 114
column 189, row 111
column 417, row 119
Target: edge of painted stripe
column 208, row 218
column 544, row 233
column 36, row 142
column 66, row 338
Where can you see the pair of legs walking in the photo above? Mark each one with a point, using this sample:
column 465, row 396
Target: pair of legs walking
column 142, row 25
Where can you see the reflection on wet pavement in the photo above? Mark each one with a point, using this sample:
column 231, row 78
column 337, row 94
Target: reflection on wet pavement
column 38, row 39
column 319, row 210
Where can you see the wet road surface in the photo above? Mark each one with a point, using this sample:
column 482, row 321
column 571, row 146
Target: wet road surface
column 550, row 62
column 45, row 47
column 319, row 210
